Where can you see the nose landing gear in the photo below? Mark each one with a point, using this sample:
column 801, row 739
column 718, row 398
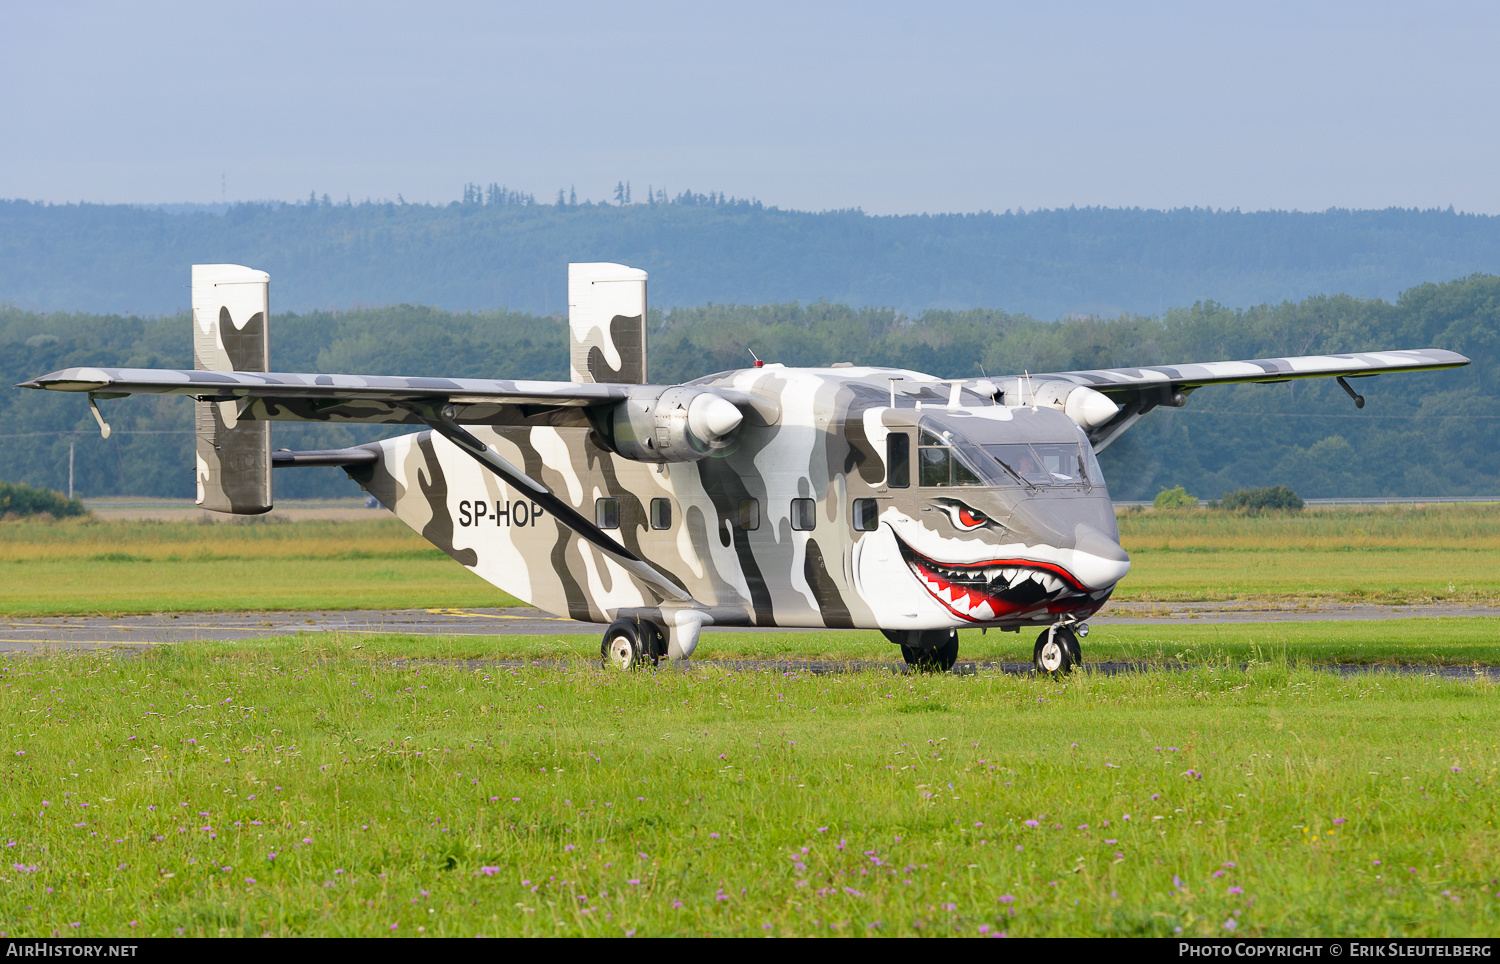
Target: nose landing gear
column 1057, row 650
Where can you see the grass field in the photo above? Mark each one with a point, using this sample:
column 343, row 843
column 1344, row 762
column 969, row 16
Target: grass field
column 310, row 790
column 1385, row 554
column 1327, row 528
column 1388, row 554
column 96, row 566
column 1403, row 642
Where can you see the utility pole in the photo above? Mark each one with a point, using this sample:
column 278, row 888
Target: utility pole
column 70, row 469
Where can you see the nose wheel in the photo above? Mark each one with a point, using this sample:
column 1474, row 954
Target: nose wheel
column 1056, row 651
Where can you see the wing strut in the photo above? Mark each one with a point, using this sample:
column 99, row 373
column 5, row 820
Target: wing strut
column 1359, row 400
column 440, row 421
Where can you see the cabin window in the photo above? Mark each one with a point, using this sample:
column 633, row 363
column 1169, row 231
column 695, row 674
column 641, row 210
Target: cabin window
column 750, row 514
column 898, row 460
column 1045, row 463
column 661, row 513
column 607, row 513
column 866, row 515
column 940, row 465
column 804, row 515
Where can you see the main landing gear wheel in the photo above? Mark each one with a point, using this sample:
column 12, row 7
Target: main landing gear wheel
column 935, row 650
column 1057, row 651
column 631, row 644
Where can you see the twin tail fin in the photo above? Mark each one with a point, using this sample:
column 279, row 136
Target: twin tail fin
column 606, row 324
column 231, row 307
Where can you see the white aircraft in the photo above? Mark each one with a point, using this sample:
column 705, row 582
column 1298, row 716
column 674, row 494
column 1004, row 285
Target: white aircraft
column 841, row 497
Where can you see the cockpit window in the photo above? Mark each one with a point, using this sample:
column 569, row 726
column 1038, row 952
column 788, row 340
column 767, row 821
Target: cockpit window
column 1044, row 463
column 939, row 464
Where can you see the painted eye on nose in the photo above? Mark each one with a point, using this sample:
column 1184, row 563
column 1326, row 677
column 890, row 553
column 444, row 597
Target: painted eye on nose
column 962, row 516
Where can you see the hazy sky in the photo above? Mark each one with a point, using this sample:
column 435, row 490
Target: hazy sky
column 893, row 108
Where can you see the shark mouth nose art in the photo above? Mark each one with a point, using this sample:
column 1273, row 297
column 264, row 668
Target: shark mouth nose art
column 986, row 591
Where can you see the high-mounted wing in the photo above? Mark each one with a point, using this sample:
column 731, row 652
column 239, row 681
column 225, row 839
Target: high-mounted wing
column 236, row 396
column 380, row 399
column 1136, row 391
column 441, row 404
column 297, row 397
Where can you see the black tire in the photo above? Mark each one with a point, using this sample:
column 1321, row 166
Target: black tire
column 653, row 641
column 622, row 647
column 936, row 650
column 1056, row 651
column 1075, row 648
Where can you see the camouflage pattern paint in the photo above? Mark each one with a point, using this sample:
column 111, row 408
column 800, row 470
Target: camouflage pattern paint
column 826, row 497
column 231, row 307
column 829, row 446
column 606, row 323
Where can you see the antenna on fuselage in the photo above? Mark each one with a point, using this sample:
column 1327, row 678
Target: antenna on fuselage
column 1030, row 388
column 758, row 362
column 988, row 387
column 893, row 380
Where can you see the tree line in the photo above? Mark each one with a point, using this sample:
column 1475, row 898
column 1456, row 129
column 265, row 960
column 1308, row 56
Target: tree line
column 1432, row 434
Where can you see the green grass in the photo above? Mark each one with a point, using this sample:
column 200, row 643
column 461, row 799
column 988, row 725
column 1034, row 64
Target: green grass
column 1386, row 576
column 1405, row 642
column 1385, row 554
column 1388, row 642
column 240, row 584
column 1396, row 555
column 119, row 567
column 1438, row 526
column 311, row 792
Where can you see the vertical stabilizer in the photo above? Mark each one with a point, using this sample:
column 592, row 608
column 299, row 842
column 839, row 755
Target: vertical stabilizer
column 607, row 323
column 231, row 306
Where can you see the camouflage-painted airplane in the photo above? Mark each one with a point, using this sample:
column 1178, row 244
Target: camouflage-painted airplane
column 844, row 497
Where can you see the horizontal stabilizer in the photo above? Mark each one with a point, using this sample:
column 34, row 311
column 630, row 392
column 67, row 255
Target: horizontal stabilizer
column 285, row 458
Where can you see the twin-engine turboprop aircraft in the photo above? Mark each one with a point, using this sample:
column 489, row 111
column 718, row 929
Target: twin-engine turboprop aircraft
column 843, row 497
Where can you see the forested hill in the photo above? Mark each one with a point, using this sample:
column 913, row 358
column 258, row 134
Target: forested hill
column 499, row 249
column 1428, row 434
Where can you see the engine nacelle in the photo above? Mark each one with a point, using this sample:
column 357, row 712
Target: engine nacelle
column 679, row 425
column 1089, row 408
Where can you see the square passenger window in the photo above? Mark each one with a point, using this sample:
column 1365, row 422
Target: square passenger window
column 804, row 515
column 607, row 513
column 750, row 514
column 661, row 513
column 866, row 515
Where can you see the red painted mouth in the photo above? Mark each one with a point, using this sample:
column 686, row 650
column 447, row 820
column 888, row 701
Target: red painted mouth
column 983, row 592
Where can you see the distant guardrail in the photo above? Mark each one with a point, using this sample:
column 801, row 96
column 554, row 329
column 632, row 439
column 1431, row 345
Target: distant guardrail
column 144, row 502
column 1378, row 500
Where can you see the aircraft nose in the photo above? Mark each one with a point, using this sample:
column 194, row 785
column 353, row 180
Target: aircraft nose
column 1098, row 561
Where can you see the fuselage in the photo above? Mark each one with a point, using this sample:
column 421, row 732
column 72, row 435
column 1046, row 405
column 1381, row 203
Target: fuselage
column 831, row 507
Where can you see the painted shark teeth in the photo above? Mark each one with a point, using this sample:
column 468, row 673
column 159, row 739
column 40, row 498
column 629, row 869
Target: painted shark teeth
column 988, row 592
